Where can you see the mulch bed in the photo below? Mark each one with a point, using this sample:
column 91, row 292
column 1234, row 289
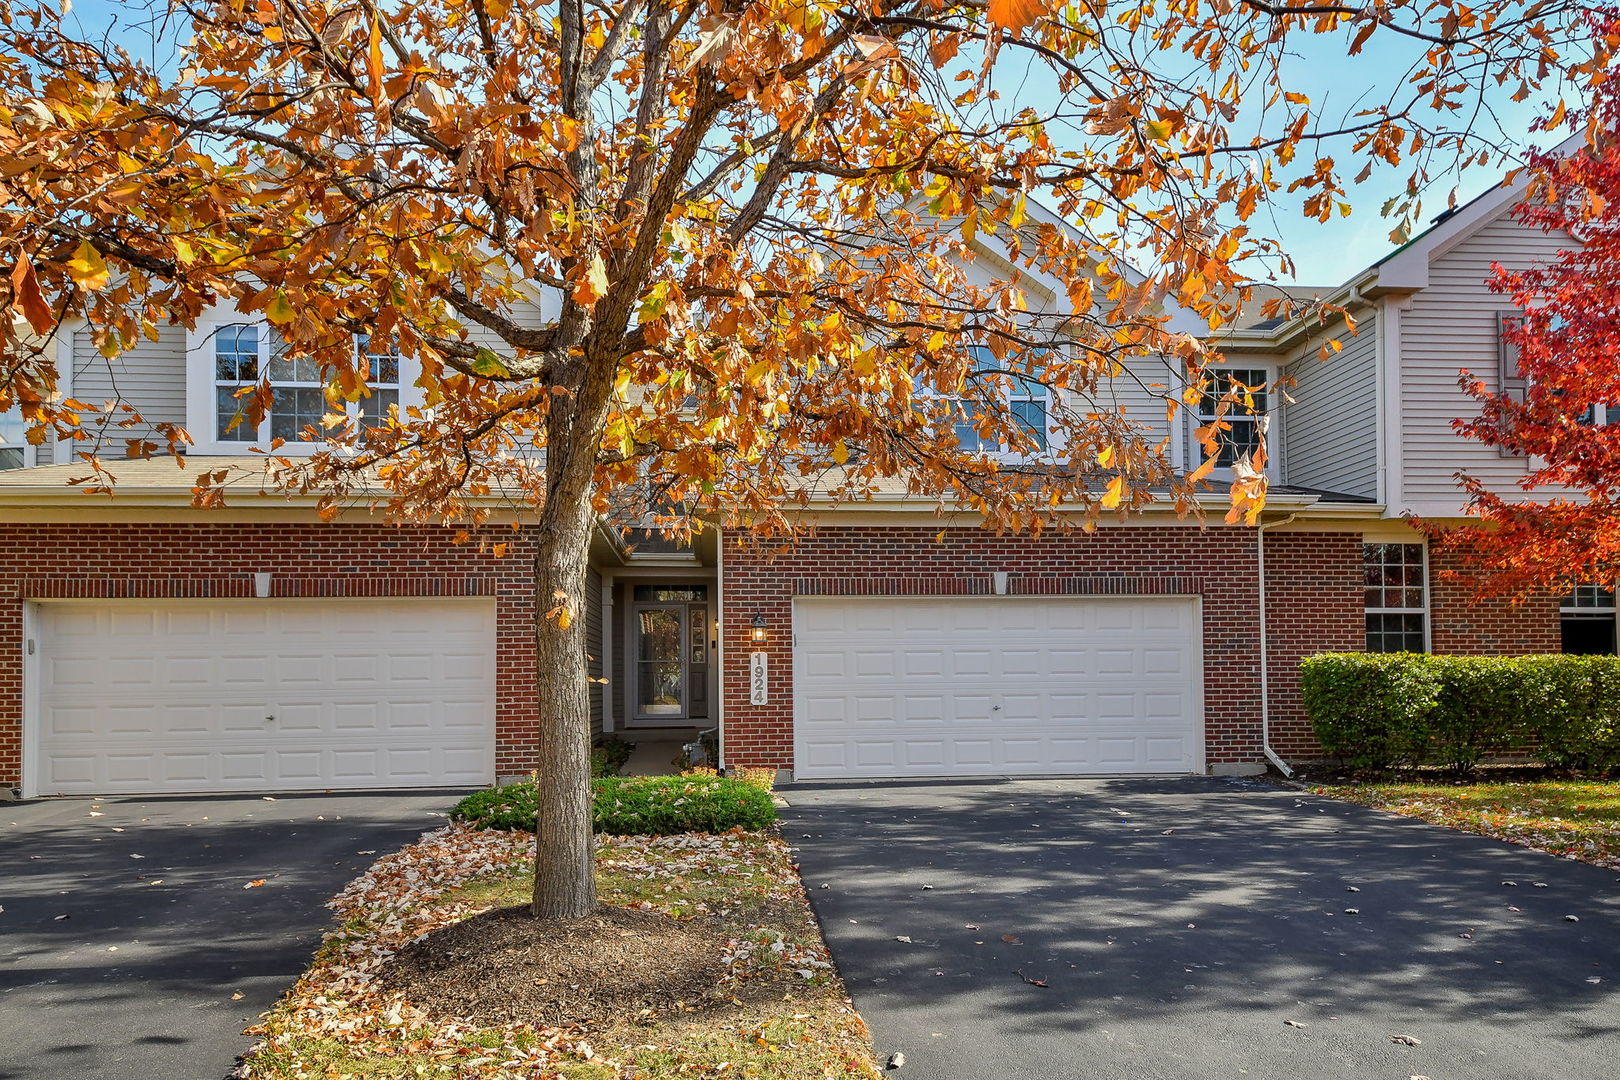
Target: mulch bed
column 505, row 966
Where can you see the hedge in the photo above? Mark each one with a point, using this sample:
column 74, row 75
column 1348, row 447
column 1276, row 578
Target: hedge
column 635, row 805
column 1384, row 710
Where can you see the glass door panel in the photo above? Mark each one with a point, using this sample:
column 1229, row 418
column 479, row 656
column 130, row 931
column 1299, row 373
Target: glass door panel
column 660, row 660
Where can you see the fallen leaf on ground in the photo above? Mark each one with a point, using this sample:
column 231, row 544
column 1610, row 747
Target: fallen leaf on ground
column 1293, row 1023
column 1011, row 939
column 254, row 884
column 1405, row 1040
column 1032, row 982
column 236, row 996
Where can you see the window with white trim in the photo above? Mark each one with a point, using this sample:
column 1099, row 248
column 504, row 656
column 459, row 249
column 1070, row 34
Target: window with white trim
column 13, row 440
column 300, row 399
column 1028, row 402
column 1244, row 417
column 1397, row 597
column 1586, row 621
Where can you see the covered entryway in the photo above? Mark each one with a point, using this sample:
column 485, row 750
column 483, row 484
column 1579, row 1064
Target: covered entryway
column 144, row 697
column 996, row 685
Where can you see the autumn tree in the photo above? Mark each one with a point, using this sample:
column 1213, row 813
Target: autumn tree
column 755, row 231
column 1563, row 418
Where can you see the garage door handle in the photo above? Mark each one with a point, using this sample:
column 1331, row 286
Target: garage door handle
column 995, row 708
column 269, row 719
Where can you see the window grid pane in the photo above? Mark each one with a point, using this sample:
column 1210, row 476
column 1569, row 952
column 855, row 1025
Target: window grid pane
column 1594, row 598
column 295, row 409
column 228, row 412
column 373, row 410
column 236, row 354
column 1395, row 596
column 1244, row 437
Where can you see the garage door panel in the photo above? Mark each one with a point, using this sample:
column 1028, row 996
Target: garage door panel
column 298, row 769
column 189, row 710
column 1003, row 685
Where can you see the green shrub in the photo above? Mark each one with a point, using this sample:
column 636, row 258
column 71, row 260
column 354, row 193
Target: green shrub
column 1579, row 727
column 657, row 805
column 1377, row 711
column 634, row 805
column 509, row 807
column 1371, row 710
column 1485, row 706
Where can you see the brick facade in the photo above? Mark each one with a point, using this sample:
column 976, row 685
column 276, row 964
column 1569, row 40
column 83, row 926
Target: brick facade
column 183, row 561
column 1217, row 564
column 1315, row 603
column 1460, row 623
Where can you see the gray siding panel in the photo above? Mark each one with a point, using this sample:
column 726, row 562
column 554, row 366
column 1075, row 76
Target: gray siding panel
column 150, row 378
column 1330, row 431
column 593, row 645
column 1451, row 326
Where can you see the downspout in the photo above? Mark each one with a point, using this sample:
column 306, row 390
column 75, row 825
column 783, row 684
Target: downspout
column 1265, row 656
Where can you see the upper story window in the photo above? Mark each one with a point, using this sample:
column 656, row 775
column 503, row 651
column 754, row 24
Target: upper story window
column 1397, row 597
column 1028, row 402
column 13, row 444
column 239, row 355
column 1242, row 438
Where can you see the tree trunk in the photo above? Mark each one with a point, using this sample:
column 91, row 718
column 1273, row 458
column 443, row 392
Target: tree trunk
column 564, row 868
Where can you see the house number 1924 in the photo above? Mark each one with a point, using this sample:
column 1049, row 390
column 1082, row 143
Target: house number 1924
column 759, row 683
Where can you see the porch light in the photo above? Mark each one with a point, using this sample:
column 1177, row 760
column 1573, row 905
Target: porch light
column 759, row 628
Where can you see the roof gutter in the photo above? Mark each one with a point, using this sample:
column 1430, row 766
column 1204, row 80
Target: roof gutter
column 1265, row 655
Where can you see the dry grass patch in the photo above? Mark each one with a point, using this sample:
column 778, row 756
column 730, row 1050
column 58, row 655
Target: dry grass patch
column 1575, row 819
column 770, row 1006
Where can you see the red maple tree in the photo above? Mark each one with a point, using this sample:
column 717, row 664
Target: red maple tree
column 1563, row 413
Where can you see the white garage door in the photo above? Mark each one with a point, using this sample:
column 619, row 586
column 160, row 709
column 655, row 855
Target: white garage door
column 262, row 695
column 973, row 686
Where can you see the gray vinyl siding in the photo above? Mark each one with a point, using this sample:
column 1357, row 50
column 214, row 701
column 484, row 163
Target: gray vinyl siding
column 1330, row 431
column 1137, row 394
column 150, row 378
column 1451, row 325
column 593, row 645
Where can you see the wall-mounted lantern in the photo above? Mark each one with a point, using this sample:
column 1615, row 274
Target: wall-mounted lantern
column 758, row 632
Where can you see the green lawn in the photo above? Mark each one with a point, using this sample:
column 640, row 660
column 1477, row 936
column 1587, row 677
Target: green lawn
column 335, row 1024
column 1573, row 818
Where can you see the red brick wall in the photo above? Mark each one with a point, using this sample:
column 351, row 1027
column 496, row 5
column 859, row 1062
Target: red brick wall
column 1218, row 564
column 1461, row 624
column 1315, row 603
column 219, row 560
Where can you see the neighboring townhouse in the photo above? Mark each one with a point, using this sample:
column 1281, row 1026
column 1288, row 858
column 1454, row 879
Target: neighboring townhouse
column 150, row 647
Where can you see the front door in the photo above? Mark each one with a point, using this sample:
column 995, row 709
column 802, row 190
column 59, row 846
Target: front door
column 670, row 650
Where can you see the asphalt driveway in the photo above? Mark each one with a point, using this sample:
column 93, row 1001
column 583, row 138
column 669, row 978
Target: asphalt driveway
column 1202, row 927
column 165, row 955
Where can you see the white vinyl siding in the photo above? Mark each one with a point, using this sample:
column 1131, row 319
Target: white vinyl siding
column 1333, row 419
column 1449, row 326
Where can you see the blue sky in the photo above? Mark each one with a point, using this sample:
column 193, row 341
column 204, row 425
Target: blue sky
column 1325, row 253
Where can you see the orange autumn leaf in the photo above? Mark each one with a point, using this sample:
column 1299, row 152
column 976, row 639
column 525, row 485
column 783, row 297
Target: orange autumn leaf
column 1014, row 15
